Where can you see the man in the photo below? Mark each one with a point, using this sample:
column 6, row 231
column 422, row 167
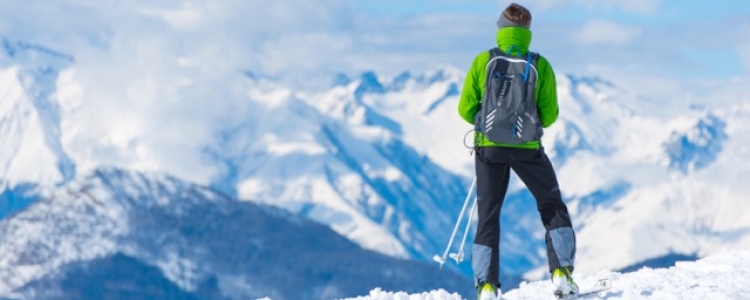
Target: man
column 515, row 145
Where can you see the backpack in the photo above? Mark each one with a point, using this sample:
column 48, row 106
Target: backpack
column 508, row 112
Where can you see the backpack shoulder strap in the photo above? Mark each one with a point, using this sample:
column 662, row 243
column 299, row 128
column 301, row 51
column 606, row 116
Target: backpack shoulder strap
column 531, row 60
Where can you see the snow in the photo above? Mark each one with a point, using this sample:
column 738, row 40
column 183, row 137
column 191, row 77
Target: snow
column 382, row 161
column 25, row 156
column 425, row 107
column 97, row 227
column 379, row 294
column 304, row 145
column 719, row 276
column 326, row 156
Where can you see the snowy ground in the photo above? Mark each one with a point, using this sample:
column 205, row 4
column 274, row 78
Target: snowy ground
column 721, row 276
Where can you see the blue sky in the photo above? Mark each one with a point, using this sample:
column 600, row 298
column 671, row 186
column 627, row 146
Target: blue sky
column 695, row 30
column 666, row 11
column 667, row 45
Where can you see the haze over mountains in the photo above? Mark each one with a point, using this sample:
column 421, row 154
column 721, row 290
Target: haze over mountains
column 379, row 160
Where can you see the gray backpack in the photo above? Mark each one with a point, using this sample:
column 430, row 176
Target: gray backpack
column 508, row 112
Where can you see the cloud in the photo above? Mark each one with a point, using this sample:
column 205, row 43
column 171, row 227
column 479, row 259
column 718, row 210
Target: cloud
column 606, row 32
column 157, row 74
column 187, row 17
column 321, row 49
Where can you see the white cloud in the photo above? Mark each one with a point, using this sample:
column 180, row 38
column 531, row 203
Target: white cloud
column 188, row 17
column 606, row 32
column 321, row 50
column 156, row 74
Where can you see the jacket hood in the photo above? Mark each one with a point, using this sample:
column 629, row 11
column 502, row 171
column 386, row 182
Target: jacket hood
column 516, row 37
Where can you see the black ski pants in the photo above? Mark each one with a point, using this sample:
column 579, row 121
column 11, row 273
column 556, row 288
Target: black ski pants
column 493, row 165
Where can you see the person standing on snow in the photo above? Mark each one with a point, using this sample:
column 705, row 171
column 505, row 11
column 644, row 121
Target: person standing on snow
column 510, row 95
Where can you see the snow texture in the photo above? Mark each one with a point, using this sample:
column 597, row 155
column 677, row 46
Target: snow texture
column 30, row 145
column 106, row 233
column 381, row 160
column 720, row 276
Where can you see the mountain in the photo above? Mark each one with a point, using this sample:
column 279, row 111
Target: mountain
column 718, row 276
column 116, row 234
column 629, row 166
column 352, row 175
column 653, row 182
column 382, row 161
column 332, row 158
column 31, row 152
column 646, row 179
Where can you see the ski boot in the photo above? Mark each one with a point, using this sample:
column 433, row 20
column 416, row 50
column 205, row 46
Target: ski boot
column 487, row 291
column 565, row 287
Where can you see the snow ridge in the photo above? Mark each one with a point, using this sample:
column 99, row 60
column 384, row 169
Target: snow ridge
column 30, row 117
column 719, row 276
column 190, row 238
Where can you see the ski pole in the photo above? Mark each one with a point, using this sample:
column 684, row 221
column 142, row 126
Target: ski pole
column 460, row 256
column 439, row 259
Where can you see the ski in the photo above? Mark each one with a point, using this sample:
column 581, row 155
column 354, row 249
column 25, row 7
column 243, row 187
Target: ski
column 599, row 286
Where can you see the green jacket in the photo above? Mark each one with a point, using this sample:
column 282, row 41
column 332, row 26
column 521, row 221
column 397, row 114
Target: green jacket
column 545, row 90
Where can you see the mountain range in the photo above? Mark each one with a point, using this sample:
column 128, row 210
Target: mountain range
column 381, row 161
column 117, row 234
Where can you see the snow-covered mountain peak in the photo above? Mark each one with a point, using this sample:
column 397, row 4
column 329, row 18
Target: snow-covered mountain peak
column 76, row 212
column 32, row 55
column 371, row 82
column 594, row 82
column 445, row 73
column 400, row 80
column 368, row 82
column 698, row 147
column 594, row 96
column 31, row 150
column 268, row 93
column 337, row 160
column 340, row 79
column 192, row 237
column 408, row 80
